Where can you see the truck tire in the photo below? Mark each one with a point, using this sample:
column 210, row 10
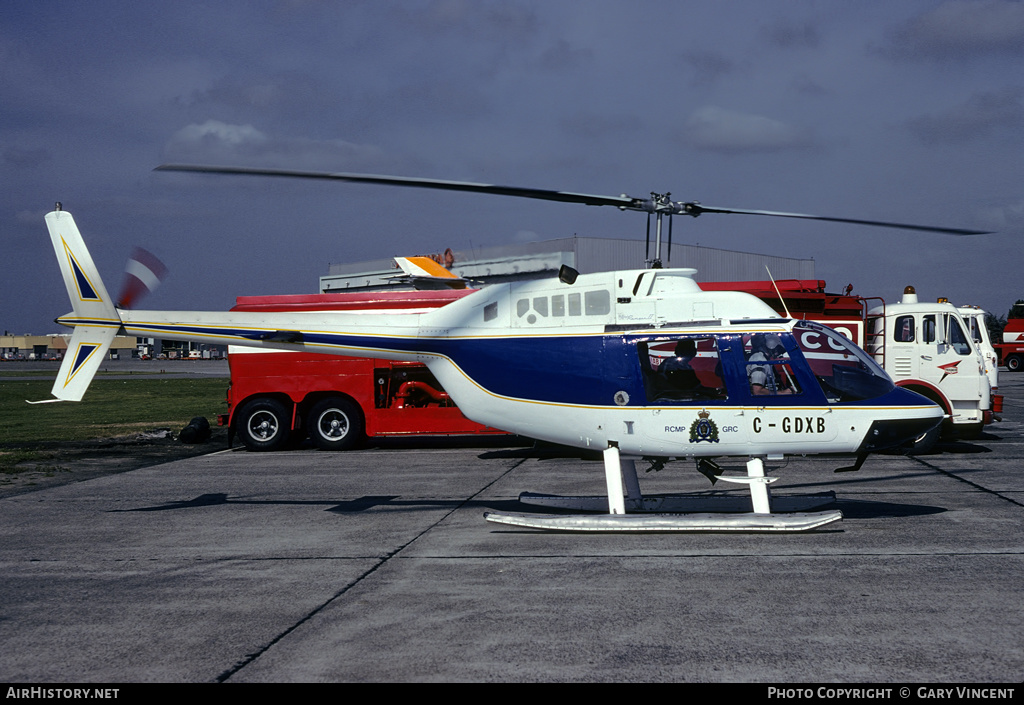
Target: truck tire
column 264, row 425
column 335, row 423
column 1013, row 363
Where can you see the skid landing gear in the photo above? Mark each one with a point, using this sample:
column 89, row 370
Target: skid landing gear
column 629, row 510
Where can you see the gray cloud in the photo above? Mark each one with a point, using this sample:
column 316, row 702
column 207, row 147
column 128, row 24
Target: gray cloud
column 960, row 29
column 709, row 66
column 26, row 158
column 797, row 35
column 562, row 55
column 1005, row 218
column 805, row 85
column 719, row 130
column 977, row 117
column 601, row 126
column 214, row 141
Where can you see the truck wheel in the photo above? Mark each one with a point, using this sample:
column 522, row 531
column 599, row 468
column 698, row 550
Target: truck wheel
column 1013, row 363
column 264, row 425
column 334, row 424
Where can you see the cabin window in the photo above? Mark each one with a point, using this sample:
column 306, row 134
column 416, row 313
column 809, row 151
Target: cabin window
column 903, row 331
column 574, row 305
column 589, row 303
column 592, row 303
column 491, row 311
column 769, row 368
column 558, row 306
column 598, row 303
column 682, row 369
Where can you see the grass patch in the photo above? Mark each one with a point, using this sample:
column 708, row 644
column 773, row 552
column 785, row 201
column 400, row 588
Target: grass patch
column 110, row 408
column 52, row 374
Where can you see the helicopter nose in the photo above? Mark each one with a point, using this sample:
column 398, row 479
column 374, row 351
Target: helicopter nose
column 884, row 434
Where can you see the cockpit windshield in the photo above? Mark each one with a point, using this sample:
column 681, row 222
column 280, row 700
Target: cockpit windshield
column 845, row 372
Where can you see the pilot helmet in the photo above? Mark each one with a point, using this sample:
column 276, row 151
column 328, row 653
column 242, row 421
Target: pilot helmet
column 773, row 344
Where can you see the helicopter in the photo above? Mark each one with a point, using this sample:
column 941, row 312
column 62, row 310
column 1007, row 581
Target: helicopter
column 641, row 365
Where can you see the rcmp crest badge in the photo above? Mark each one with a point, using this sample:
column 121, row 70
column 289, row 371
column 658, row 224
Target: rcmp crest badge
column 703, row 429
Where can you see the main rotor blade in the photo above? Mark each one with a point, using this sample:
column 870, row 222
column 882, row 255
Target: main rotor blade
column 696, row 209
column 543, row 194
column 648, row 205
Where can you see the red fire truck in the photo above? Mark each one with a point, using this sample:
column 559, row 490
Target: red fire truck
column 1011, row 349
column 277, row 397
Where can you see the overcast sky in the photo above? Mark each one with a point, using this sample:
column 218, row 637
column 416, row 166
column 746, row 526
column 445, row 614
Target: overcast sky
column 906, row 111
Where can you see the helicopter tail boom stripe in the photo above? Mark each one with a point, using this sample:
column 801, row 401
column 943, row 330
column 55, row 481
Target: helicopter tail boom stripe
column 95, row 319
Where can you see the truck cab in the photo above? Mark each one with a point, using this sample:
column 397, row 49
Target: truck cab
column 974, row 319
column 926, row 348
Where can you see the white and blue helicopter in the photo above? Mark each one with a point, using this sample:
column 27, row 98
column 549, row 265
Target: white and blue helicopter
column 637, row 364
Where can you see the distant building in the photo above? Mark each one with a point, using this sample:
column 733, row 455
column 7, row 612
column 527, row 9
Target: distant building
column 53, row 347
column 536, row 260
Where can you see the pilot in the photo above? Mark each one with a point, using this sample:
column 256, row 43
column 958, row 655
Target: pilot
column 686, row 350
column 677, row 370
column 763, row 378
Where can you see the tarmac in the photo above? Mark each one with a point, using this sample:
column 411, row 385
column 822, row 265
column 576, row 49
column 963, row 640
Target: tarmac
column 376, row 565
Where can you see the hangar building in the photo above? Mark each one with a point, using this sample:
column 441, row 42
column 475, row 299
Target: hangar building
column 536, row 260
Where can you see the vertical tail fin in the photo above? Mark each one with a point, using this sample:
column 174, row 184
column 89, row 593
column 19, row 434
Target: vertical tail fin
column 94, row 318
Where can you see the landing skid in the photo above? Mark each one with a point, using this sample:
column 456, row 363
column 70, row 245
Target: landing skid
column 628, row 510
column 669, row 522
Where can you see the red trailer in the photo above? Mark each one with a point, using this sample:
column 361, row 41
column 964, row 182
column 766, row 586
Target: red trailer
column 1011, row 349
column 276, row 397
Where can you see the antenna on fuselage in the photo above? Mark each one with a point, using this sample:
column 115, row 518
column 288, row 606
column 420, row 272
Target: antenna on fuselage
column 782, row 300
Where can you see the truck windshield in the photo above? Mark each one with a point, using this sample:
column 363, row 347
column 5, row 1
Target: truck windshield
column 845, row 372
column 973, row 328
column 957, row 338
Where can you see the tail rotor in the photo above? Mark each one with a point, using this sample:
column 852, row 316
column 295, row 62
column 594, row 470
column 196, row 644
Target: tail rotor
column 142, row 275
